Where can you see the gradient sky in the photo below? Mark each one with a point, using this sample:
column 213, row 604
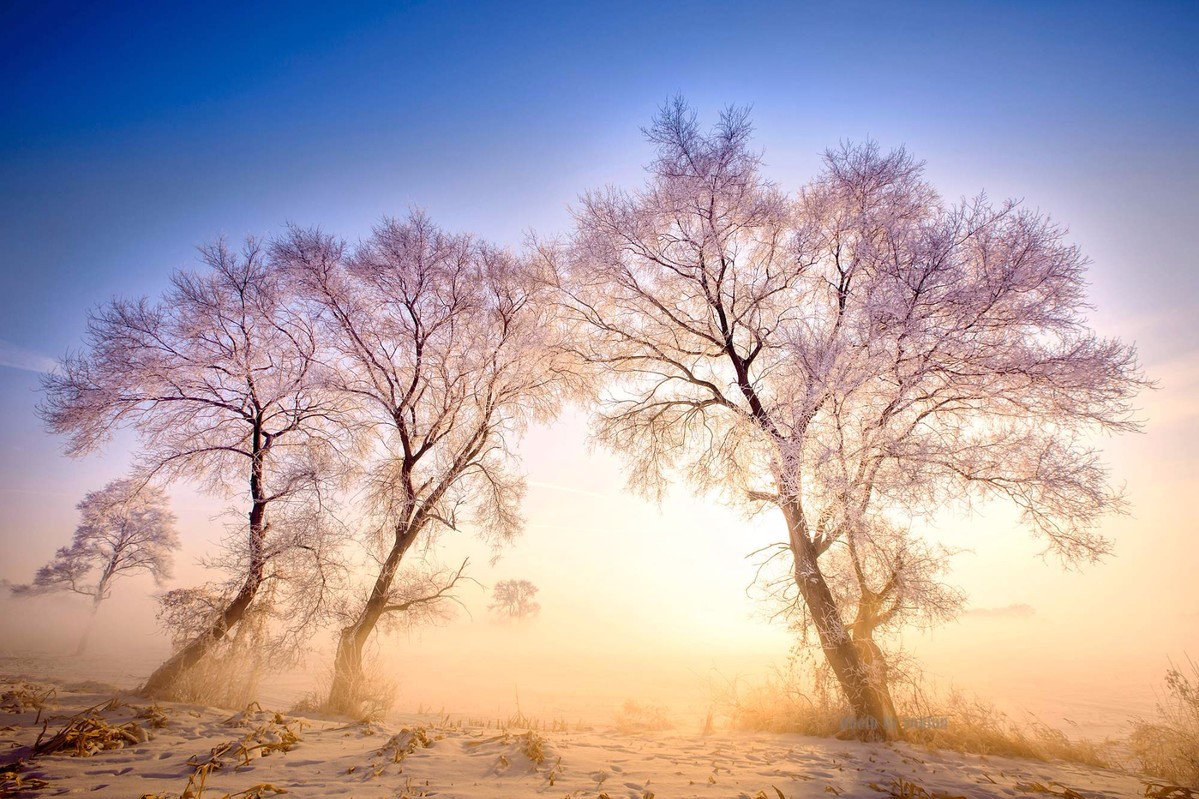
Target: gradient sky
column 130, row 135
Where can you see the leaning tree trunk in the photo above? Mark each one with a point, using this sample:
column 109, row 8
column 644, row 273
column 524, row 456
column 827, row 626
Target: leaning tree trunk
column 345, row 693
column 162, row 682
column 874, row 713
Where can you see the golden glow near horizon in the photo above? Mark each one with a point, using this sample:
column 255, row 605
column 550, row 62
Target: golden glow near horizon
column 649, row 602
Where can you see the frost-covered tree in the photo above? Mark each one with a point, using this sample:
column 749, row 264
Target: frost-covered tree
column 217, row 380
column 439, row 347
column 513, row 599
column 856, row 356
column 124, row 528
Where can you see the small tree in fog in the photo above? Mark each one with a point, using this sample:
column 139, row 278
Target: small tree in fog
column 218, row 382
column 514, row 599
column 856, row 357
column 124, row 528
column 438, row 346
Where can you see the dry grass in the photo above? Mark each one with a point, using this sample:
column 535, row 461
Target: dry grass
column 1168, row 745
column 404, row 743
column 977, row 726
column 88, row 732
column 529, row 744
column 780, row 704
column 15, row 782
column 1157, row 790
column 636, row 717
column 83, row 735
column 519, row 721
column 225, row 679
column 515, row 721
column 153, row 715
column 971, row 725
column 21, row 697
column 269, row 733
column 532, row 746
column 374, row 695
column 900, row 788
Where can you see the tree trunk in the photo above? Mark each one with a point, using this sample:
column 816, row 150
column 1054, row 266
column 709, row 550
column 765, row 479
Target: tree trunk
column 874, row 714
column 861, row 632
column 162, row 682
column 874, row 663
column 345, row 693
column 86, row 635
column 101, row 591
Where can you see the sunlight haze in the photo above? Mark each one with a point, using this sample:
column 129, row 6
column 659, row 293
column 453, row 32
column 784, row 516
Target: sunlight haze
column 133, row 135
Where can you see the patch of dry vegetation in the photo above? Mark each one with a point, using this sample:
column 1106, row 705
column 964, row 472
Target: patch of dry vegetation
column 781, row 703
column 22, row 697
column 1168, row 745
column 269, row 733
column 1157, row 790
column 977, row 726
column 81, row 735
column 375, row 695
column 86, row 734
column 229, row 678
column 404, row 743
column 232, row 669
column 786, row 703
column 900, row 788
column 14, row 781
column 530, row 745
column 636, row 717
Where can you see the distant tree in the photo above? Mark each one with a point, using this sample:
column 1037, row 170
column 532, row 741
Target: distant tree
column 219, row 382
column 441, row 350
column 126, row 527
column 856, row 357
column 514, row 599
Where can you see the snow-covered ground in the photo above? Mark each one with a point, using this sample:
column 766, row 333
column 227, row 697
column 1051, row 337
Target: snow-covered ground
column 169, row 750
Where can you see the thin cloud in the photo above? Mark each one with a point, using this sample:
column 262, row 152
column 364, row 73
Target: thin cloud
column 1019, row 610
column 568, row 489
column 17, row 357
column 1178, row 380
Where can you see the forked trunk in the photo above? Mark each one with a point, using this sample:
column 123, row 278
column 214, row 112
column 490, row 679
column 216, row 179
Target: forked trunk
column 873, row 659
column 874, row 716
column 875, row 664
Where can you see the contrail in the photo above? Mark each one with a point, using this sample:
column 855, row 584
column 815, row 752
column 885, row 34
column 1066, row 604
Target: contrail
column 17, row 357
column 568, row 489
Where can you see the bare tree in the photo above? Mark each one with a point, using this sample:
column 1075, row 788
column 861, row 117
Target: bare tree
column 855, row 357
column 514, row 599
column 124, row 528
column 439, row 344
column 218, row 382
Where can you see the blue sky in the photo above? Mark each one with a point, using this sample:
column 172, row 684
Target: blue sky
column 131, row 134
